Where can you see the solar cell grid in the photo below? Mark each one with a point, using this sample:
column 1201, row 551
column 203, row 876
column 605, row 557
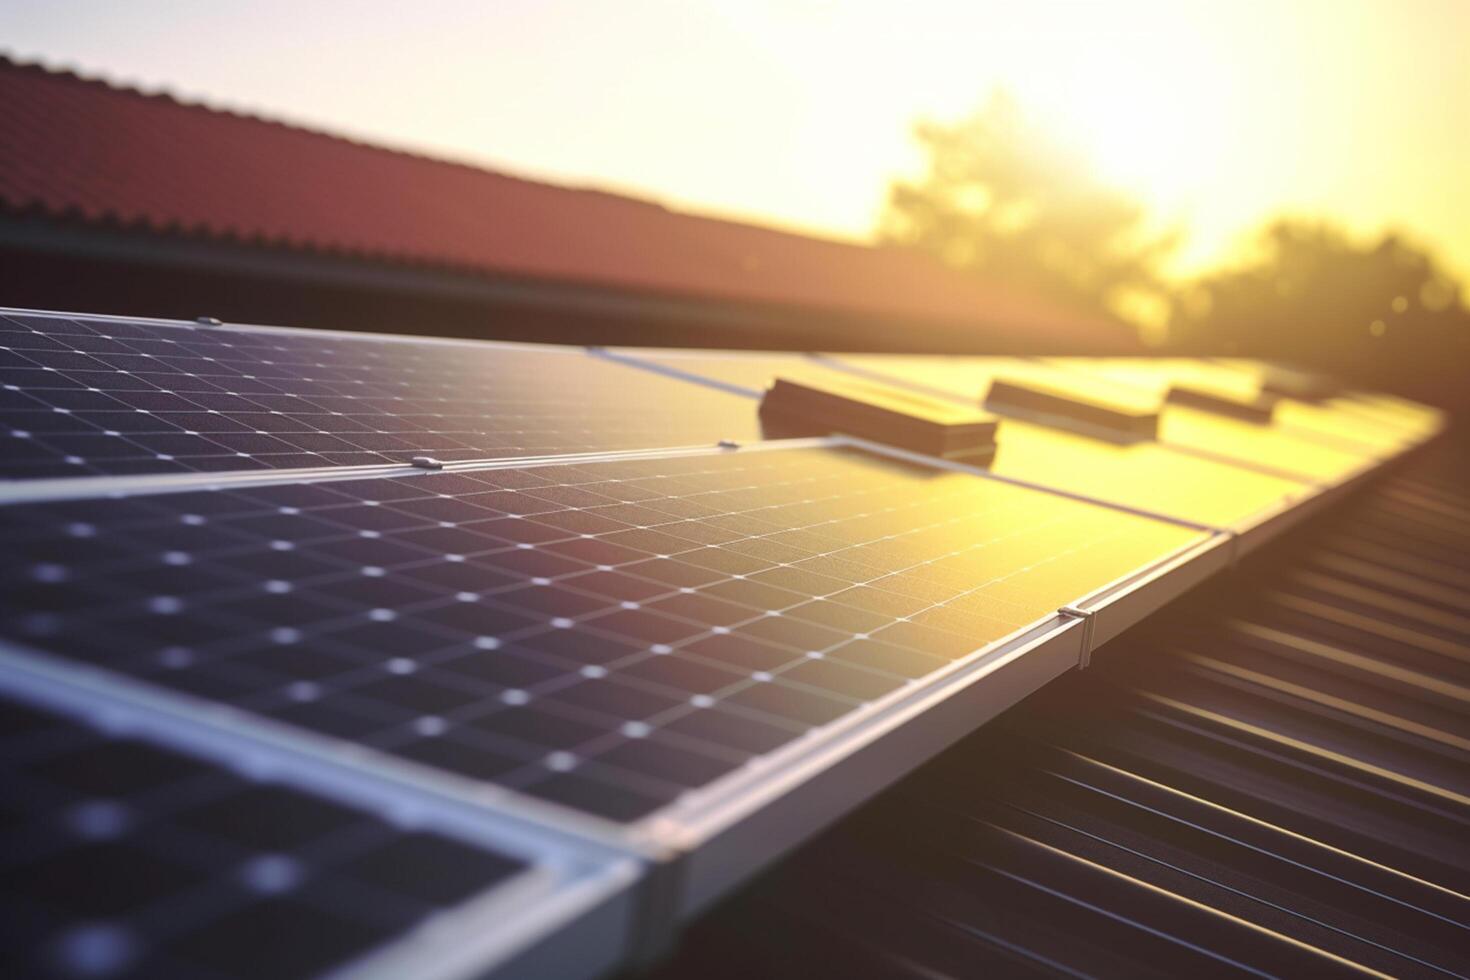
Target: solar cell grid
column 607, row 635
column 87, row 397
column 121, row 858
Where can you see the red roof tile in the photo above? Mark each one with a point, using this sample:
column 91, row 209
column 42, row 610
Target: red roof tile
column 82, row 150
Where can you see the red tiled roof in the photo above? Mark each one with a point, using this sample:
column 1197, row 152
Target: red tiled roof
column 82, row 150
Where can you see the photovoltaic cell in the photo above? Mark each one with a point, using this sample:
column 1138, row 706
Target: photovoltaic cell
column 121, row 858
column 607, row 635
column 86, row 397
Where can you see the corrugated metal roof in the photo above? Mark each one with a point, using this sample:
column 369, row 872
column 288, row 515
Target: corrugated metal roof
column 83, row 151
column 1273, row 779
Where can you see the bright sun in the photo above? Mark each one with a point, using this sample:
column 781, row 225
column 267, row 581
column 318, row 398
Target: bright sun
column 1163, row 141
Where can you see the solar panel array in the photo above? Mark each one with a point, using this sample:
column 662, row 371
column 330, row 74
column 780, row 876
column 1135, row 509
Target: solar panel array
column 604, row 655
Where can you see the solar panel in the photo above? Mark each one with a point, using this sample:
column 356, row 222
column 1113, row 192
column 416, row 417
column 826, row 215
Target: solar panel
column 1159, row 374
column 1274, row 449
column 1231, row 791
column 607, row 684
column 1408, row 417
column 122, row 857
column 1142, row 475
column 1338, row 419
column 606, row 635
column 85, row 396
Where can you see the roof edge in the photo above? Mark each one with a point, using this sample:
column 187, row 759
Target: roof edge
column 39, row 232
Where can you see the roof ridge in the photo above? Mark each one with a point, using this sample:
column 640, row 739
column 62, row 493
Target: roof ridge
column 8, row 61
column 77, row 76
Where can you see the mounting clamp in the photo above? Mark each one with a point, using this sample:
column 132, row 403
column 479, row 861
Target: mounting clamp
column 1232, row 547
column 1089, row 620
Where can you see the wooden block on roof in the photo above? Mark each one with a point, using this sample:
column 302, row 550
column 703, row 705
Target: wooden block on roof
column 872, row 410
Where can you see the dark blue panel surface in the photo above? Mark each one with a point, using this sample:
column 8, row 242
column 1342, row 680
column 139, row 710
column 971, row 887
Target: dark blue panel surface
column 123, row 858
column 87, row 397
column 605, row 634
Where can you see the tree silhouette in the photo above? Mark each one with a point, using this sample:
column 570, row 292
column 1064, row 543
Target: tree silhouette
column 1001, row 198
column 1382, row 313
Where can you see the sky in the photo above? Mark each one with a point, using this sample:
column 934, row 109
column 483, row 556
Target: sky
column 800, row 113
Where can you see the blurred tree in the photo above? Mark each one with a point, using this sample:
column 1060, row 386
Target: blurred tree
column 1383, row 313
column 1002, row 198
